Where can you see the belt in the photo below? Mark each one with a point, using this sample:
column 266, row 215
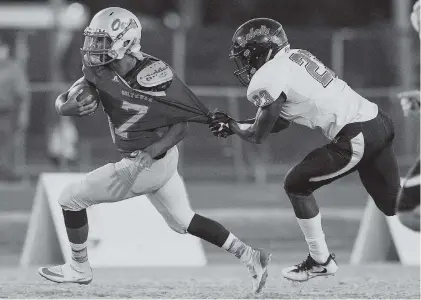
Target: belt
column 128, row 155
column 161, row 156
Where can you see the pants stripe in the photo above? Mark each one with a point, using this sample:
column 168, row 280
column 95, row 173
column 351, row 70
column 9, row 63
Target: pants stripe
column 357, row 147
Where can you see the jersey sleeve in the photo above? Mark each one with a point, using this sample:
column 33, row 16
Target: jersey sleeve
column 267, row 85
column 89, row 74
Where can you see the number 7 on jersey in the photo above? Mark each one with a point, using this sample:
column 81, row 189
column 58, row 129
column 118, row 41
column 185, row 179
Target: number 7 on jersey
column 141, row 111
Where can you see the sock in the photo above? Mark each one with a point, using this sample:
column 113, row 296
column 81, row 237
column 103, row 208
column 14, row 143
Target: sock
column 238, row 248
column 216, row 234
column 208, row 230
column 77, row 228
column 315, row 238
column 79, row 252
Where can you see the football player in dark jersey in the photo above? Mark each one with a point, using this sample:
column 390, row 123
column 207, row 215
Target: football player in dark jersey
column 148, row 108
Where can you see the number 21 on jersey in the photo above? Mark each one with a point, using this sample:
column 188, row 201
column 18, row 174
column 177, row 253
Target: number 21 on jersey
column 313, row 66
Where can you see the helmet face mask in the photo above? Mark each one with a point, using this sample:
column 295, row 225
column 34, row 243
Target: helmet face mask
column 112, row 33
column 242, row 72
column 96, row 49
column 248, row 61
column 253, row 44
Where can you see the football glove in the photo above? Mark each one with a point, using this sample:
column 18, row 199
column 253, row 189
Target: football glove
column 219, row 116
column 220, row 129
column 219, row 124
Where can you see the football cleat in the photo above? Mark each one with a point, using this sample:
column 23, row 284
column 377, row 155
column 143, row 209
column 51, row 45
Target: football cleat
column 68, row 273
column 310, row 268
column 258, row 268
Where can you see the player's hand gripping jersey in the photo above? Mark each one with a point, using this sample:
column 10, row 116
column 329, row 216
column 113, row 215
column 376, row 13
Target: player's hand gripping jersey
column 315, row 96
column 150, row 97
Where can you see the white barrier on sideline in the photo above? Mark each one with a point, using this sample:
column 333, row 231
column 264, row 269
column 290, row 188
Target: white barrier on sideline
column 130, row 233
column 381, row 238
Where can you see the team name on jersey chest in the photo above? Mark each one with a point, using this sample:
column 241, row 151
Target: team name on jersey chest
column 134, row 95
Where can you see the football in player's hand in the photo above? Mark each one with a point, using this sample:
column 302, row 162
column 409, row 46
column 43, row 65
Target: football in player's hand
column 86, row 96
column 83, row 92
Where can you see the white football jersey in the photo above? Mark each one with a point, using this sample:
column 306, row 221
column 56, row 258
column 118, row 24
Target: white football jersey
column 315, row 96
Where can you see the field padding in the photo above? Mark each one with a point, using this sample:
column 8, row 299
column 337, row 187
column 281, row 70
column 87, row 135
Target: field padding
column 382, row 238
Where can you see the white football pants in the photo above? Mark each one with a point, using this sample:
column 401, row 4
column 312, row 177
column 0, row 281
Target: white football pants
column 114, row 182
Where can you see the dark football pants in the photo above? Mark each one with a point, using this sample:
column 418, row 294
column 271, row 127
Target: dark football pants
column 365, row 147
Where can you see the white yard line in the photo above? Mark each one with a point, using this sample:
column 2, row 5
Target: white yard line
column 14, row 216
column 332, row 213
column 232, row 214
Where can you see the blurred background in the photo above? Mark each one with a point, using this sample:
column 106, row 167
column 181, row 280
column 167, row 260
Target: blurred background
column 370, row 44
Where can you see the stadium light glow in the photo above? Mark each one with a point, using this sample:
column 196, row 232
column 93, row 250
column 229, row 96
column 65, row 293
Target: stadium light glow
column 41, row 16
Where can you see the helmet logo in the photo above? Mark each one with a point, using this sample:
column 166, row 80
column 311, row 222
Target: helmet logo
column 263, row 30
column 117, row 24
column 276, row 40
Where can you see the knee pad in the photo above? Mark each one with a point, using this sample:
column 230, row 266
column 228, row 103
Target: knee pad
column 177, row 227
column 179, row 222
column 297, row 183
column 72, row 197
column 65, row 198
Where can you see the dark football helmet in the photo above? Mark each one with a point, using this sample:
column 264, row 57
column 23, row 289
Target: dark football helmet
column 253, row 44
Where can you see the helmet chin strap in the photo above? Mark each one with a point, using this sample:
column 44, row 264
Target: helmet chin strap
column 134, row 50
column 139, row 55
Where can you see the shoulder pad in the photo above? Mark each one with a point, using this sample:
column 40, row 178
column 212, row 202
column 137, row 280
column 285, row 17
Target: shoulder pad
column 260, row 81
column 268, row 84
column 155, row 74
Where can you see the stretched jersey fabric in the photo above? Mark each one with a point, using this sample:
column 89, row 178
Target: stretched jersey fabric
column 149, row 98
column 316, row 98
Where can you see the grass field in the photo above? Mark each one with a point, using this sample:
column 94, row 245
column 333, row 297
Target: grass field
column 260, row 215
column 218, row 281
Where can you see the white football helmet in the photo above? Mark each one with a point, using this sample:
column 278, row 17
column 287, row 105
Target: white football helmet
column 112, row 33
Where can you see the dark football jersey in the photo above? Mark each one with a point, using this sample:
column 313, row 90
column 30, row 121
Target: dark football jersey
column 150, row 97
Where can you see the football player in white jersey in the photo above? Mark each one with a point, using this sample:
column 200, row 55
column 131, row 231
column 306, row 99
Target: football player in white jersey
column 294, row 85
